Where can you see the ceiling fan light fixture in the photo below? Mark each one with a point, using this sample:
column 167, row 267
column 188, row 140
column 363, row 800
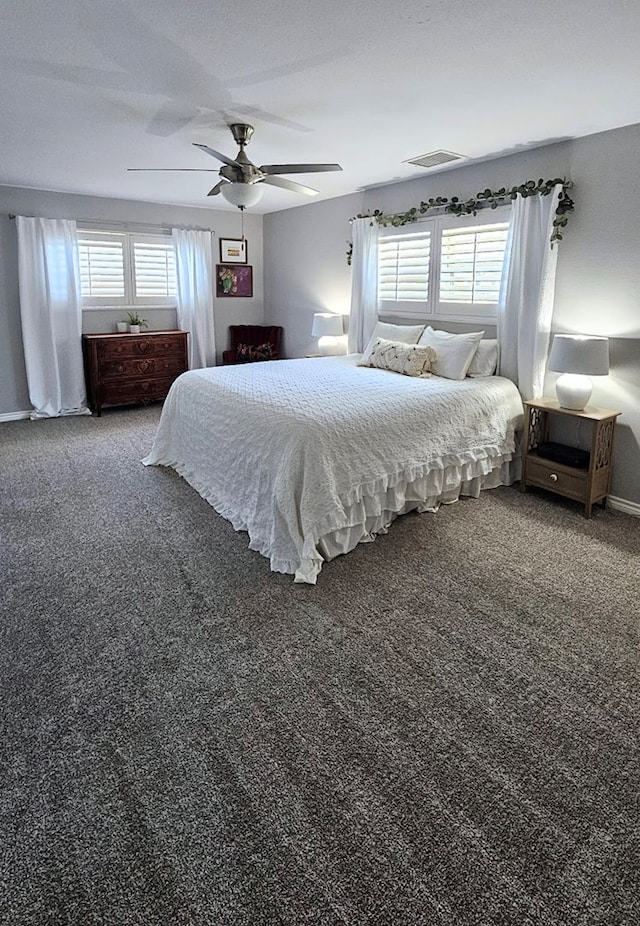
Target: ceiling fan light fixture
column 242, row 194
column 241, row 182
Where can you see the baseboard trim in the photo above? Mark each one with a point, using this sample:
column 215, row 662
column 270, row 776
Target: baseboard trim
column 622, row 504
column 14, row 416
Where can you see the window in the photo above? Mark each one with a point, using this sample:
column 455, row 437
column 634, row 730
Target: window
column 154, row 269
column 101, row 267
column 446, row 268
column 471, row 263
column 403, row 266
column 126, row 269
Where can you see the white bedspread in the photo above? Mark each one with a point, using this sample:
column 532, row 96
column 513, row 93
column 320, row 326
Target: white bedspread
column 298, row 452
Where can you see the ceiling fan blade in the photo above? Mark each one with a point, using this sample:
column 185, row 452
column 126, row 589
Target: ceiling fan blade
column 171, row 118
column 198, row 170
column 217, row 188
column 297, row 168
column 290, row 185
column 216, row 154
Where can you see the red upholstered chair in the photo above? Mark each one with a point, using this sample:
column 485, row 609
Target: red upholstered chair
column 253, row 342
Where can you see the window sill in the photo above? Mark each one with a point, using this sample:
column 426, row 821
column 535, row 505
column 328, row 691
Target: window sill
column 129, row 308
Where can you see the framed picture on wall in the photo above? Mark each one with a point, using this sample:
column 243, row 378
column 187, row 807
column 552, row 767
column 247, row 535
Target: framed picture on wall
column 234, row 280
column 233, row 251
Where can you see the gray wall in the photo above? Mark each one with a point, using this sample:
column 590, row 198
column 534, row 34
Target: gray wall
column 14, row 396
column 306, row 267
column 598, row 277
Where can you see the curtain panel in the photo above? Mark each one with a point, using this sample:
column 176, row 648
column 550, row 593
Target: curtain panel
column 51, row 315
column 364, row 284
column 194, row 271
column 525, row 307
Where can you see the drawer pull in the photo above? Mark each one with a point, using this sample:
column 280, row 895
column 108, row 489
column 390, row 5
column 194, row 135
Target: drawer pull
column 553, row 477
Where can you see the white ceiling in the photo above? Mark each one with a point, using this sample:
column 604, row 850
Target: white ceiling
column 89, row 88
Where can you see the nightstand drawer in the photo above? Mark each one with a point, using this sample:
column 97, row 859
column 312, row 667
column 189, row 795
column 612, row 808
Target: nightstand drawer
column 551, row 476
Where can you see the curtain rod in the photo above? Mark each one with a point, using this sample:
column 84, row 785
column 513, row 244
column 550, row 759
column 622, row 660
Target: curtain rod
column 127, row 226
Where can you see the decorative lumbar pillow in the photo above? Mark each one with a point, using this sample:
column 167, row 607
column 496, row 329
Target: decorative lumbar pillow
column 264, row 351
column 409, row 359
column 402, row 334
column 454, row 352
column 246, row 353
column 486, row 358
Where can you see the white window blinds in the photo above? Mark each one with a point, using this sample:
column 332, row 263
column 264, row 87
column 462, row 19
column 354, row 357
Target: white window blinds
column 126, row 269
column 101, row 267
column 154, row 266
column 403, row 266
column 471, row 263
column 447, row 267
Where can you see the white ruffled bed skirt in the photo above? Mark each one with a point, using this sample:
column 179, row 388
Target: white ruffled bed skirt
column 373, row 514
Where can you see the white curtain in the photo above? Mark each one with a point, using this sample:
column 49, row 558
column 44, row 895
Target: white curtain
column 194, row 270
column 51, row 314
column 364, row 284
column 526, row 295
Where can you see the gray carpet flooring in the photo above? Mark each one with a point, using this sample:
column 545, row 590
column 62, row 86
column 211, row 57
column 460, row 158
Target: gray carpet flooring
column 443, row 731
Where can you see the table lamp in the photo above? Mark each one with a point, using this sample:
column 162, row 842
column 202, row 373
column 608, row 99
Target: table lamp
column 328, row 328
column 577, row 357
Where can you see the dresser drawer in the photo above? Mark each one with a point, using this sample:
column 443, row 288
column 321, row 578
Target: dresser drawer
column 149, row 389
column 131, row 346
column 548, row 475
column 140, row 366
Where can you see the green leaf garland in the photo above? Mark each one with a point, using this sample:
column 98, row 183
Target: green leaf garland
column 486, row 198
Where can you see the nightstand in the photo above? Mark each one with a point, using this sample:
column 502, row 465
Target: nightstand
column 587, row 484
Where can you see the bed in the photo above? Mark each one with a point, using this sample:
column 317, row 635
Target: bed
column 313, row 456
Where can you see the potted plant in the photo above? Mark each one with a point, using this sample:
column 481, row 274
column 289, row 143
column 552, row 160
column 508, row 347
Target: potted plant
column 136, row 323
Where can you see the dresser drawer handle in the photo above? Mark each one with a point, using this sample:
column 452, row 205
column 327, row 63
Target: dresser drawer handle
column 553, row 477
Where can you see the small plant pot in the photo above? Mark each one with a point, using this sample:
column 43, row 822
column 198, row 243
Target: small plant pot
column 134, row 329
column 122, row 327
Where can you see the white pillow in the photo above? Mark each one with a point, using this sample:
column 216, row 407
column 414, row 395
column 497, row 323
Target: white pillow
column 454, row 352
column 403, row 334
column 486, row 358
column 409, row 359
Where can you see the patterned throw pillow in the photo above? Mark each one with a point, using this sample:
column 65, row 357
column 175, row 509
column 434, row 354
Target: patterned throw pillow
column 242, row 351
column 246, row 353
column 263, row 351
column 409, row 359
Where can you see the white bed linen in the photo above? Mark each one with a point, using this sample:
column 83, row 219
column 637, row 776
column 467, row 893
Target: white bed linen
column 312, row 456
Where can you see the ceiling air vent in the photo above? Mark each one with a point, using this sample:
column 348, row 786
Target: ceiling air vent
column 435, row 159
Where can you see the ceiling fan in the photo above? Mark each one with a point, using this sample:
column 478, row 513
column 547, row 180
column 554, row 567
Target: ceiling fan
column 241, row 181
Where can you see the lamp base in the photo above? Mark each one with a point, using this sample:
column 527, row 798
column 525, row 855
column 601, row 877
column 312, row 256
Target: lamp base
column 573, row 391
column 329, row 346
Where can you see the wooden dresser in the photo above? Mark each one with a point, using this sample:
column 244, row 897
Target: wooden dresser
column 123, row 369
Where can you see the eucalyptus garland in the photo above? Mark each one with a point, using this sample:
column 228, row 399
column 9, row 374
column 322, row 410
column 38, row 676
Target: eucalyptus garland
column 486, row 198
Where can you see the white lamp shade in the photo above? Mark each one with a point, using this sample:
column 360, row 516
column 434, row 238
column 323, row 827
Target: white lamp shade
column 577, row 357
column 242, row 194
column 575, row 353
column 326, row 325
